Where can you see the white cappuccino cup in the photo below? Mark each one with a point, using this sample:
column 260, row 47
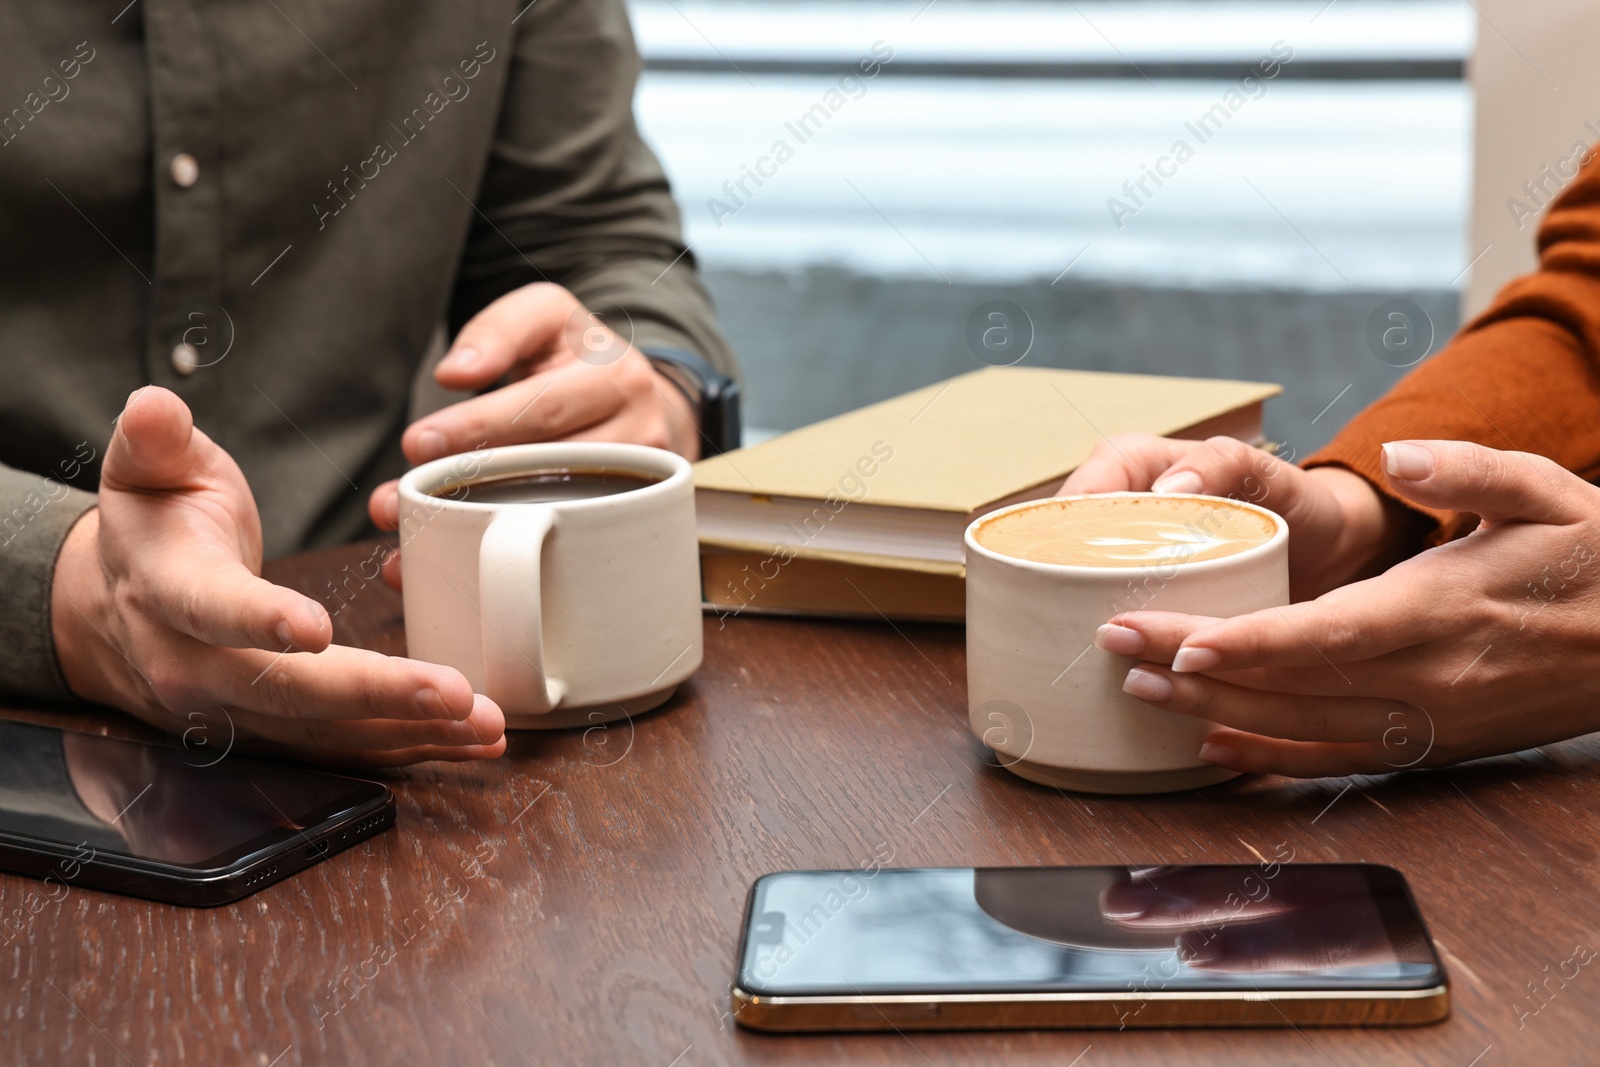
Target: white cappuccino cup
column 1041, row 695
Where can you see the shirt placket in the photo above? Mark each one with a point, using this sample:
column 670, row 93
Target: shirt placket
column 191, row 331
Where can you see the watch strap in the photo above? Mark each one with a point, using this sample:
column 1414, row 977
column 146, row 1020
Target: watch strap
column 714, row 395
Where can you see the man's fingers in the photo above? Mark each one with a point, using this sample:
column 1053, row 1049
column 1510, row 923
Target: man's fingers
column 340, row 683
column 1499, row 486
column 218, row 601
column 1124, row 463
column 1289, row 716
column 383, row 506
column 405, row 757
column 373, row 757
column 154, row 444
column 555, row 404
column 484, row 726
column 390, row 569
column 517, row 328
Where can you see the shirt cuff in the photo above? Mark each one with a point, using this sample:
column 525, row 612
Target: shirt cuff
column 35, row 516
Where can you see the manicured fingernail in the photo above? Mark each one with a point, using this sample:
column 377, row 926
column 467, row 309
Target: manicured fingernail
column 1190, row 659
column 1407, row 461
column 1180, row 482
column 461, row 359
column 1196, row 948
column 286, row 634
column 1119, row 639
column 1217, row 752
column 1147, row 685
column 431, row 444
column 1123, row 902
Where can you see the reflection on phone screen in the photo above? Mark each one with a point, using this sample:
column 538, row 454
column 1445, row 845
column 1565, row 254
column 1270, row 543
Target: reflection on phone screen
column 149, row 801
column 1269, row 926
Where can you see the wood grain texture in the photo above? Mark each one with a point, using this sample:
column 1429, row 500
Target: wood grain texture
column 577, row 901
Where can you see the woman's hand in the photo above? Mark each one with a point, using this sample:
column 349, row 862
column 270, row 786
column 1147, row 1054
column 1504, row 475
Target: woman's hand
column 1340, row 527
column 1484, row 645
column 1262, row 919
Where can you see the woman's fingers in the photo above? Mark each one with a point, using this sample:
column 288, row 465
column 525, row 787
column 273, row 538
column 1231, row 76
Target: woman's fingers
column 1339, row 933
column 1176, row 897
column 1351, row 623
column 553, row 404
column 1224, row 466
column 1157, row 638
column 1254, row 754
column 1152, row 635
column 1289, row 716
column 1500, row 486
column 1125, row 462
column 484, row 727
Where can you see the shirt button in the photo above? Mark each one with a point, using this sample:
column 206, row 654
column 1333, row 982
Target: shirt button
column 185, row 358
column 185, row 170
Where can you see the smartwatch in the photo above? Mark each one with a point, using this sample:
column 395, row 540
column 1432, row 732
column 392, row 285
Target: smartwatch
column 714, row 395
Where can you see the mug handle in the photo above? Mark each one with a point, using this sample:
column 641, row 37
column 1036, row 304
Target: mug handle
column 512, row 608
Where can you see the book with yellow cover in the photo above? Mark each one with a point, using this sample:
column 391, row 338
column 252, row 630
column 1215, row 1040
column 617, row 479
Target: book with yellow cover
column 891, row 487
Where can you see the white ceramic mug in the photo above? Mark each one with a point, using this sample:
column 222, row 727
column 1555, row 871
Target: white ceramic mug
column 1050, row 704
column 566, row 612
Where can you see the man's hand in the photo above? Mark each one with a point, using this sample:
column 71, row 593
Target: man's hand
column 1484, row 645
column 567, row 377
column 158, row 609
column 1340, row 527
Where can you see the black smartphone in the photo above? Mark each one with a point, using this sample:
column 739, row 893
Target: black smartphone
column 1271, row 944
column 167, row 823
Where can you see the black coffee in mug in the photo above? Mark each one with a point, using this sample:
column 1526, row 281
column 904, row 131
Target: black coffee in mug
column 545, row 486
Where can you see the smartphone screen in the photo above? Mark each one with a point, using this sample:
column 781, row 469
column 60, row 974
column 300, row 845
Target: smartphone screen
column 1266, row 927
column 109, row 797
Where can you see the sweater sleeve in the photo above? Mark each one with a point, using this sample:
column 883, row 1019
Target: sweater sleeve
column 37, row 515
column 1523, row 376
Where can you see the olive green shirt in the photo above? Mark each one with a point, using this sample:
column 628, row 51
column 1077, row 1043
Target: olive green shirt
column 271, row 209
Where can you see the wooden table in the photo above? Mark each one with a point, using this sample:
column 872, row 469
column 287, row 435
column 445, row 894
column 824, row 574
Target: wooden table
column 578, row 900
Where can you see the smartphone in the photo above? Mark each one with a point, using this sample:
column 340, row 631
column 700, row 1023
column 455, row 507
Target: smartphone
column 1270, row 944
column 166, row 823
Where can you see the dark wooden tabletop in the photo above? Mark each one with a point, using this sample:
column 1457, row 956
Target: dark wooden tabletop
column 578, row 900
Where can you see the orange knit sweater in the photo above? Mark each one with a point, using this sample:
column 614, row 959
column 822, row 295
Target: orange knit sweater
column 1524, row 375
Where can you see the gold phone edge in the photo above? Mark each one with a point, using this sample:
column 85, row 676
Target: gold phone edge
column 1099, row 1011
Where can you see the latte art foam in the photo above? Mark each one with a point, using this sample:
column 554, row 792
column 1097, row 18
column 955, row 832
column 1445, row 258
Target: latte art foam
column 1125, row 531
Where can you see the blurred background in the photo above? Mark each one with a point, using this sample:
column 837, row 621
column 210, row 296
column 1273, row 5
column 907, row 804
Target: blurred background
column 995, row 154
